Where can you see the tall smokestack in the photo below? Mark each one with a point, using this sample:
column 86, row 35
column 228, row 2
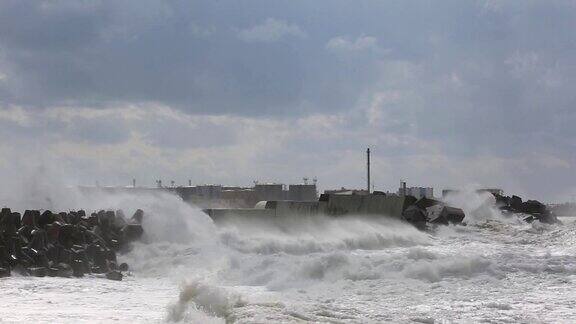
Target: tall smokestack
column 368, row 170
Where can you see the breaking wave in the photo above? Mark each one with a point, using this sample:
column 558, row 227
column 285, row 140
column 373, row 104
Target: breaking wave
column 304, row 235
column 199, row 299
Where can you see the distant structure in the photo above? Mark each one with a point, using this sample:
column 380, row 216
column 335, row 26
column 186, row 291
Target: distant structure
column 302, row 192
column 209, row 191
column 215, row 195
column 345, row 191
column 269, row 191
column 420, row 192
column 402, row 190
column 494, row 191
column 417, row 192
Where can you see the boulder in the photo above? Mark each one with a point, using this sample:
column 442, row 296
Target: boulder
column 501, row 201
column 78, row 268
column 45, row 218
column 440, row 214
column 53, row 272
column 132, row 232
column 38, row 271
column 64, row 270
column 516, row 203
column 4, row 272
column 547, row 218
column 138, row 216
column 114, row 275
column 123, row 267
column 415, row 216
column 30, row 217
column 424, row 203
column 120, row 220
column 533, row 207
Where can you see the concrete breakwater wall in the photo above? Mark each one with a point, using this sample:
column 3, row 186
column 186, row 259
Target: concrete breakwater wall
column 421, row 213
column 405, row 208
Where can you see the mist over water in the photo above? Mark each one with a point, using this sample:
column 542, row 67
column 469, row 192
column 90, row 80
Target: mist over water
column 318, row 269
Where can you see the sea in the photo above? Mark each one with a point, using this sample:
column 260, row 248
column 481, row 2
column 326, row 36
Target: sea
column 493, row 269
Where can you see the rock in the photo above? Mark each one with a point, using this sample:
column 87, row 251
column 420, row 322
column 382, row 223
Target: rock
column 97, row 269
column 114, row 275
column 529, row 219
column 533, row 207
column 415, row 216
column 78, row 268
column 64, row 270
column 138, row 216
column 33, row 216
column 424, row 203
column 409, row 201
column 53, row 272
column 440, row 214
column 123, row 267
column 45, row 218
column 547, row 218
column 501, row 201
column 38, row 271
column 4, row 272
column 132, row 232
column 65, row 244
column 120, row 220
column 516, row 203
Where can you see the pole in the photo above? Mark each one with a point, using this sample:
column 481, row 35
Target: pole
column 368, row 170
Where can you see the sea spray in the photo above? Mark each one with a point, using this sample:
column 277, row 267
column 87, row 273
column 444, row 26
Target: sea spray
column 478, row 207
column 308, row 234
column 213, row 300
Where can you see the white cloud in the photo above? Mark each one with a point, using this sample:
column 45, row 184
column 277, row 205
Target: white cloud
column 270, row 30
column 376, row 111
column 16, row 115
column 362, row 43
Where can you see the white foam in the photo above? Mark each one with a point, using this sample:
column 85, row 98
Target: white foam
column 211, row 300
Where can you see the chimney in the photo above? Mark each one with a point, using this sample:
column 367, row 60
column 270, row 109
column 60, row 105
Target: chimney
column 368, row 170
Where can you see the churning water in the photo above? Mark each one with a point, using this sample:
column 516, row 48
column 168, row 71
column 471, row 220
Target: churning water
column 326, row 270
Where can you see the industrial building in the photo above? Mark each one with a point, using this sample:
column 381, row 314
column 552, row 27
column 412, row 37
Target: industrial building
column 212, row 195
column 419, row 192
column 346, row 191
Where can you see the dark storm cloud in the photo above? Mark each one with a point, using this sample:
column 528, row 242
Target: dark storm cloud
column 194, row 55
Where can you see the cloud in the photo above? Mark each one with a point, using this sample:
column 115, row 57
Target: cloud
column 444, row 93
column 270, row 30
column 362, row 43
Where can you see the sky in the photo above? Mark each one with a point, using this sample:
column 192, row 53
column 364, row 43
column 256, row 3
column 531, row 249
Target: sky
column 448, row 94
